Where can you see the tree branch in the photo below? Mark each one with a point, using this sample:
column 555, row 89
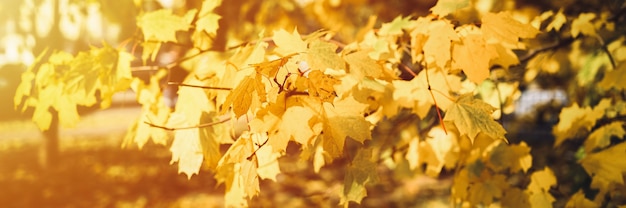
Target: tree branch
column 169, row 65
column 203, row 125
column 199, row 86
column 531, row 54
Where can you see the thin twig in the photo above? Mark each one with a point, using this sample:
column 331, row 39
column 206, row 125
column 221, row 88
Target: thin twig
column 203, row 125
column 435, row 102
column 199, row 86
column 407, row 69
column 605, row 48
column 257, row 149
column 169, row 65
column 536, row 52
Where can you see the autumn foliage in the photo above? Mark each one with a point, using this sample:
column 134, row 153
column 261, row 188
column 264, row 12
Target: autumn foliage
column 315, row 92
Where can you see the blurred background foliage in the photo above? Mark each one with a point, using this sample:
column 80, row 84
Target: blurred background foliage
column 543, row 84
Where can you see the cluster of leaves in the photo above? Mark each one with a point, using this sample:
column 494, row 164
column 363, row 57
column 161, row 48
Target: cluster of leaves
column 315, row 93
column 64, row 81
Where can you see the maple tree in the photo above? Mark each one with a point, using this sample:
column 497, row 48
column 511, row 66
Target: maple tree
column 320, row 94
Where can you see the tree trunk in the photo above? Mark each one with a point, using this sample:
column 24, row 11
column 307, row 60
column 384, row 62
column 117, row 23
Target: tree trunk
column 49, row 151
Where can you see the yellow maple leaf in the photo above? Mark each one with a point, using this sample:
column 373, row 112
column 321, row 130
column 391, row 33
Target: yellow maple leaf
column 361, row 65
column 515, row 197
column 445, row 7
column 472, row 55
column 415, row 94
column 489, row 188
column 238, row 170
column 267, row 160
column 614, row 78
column 288, row 43
column 187, row 151
column 360, row 172
column 395, row 27
column 557, row 22
column 538, row 189
column 154, row 110
column 513, row 157
column 579, row 200
column 438, row 151
column 541, row 180
column 161, row 25
column 601, row 137
column 210, row 141
column 295, row 125
column 575, row 120
column 583, row 25
column 207, row 19
column 322, row 55
column 270, row 68
column 604, row 168
column 503, row 28
column 321, row 85
column 240, row 97
column 505, row 56
column 340, row 124
column 437, row 46
column 472, row 116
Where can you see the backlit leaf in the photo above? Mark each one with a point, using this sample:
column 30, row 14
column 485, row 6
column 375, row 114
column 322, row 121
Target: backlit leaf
column 502, row 27
column 289, row 43
column 539, row 187
column 321, row 85
column 322, row 55
column 362, row 65
column 583, row 25
column 472, row 55
column 240, row 97
column 614, row 78
column 604, row 167
column 161, row 25
column 485, row 191
column 438, row 44
column 360, row 172
column 207, row 20
column 601, row 137
column 270, row 68
column 557, row 22
column 395, row 27
column 513, row 157
column 472, row 116
column 575, row 120
column 187, row 151
column 579, row 200
column 445, row 7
